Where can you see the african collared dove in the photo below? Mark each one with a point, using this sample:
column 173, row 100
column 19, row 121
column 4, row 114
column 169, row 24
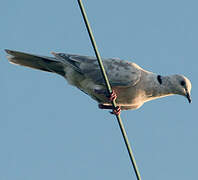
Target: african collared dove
column 133, row 85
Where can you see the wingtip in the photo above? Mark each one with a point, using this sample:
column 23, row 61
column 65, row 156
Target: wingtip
column 9, row 55
column 7, row 51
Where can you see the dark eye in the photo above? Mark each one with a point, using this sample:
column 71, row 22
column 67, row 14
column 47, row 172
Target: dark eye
column 182, row 83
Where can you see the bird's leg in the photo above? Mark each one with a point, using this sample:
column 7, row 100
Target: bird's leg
column 102, row 106
column 115, row 111
column 111, row 97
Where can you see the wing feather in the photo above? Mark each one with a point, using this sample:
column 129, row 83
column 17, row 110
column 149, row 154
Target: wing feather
column 119, row 72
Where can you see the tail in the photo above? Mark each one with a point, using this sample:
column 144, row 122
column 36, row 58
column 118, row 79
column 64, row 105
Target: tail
column 43, row 63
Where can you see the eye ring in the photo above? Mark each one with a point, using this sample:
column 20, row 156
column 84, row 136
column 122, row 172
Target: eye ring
column 182, row 83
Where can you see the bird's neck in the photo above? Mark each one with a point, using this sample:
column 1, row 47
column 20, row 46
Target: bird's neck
column 154, row 89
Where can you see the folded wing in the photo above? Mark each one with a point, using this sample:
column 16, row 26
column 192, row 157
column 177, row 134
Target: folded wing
column 119, row 72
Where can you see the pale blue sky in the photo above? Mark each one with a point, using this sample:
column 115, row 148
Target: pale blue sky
column 50, row 130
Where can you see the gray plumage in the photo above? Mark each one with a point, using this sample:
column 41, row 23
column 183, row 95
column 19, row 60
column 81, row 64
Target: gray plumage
column 132, row 84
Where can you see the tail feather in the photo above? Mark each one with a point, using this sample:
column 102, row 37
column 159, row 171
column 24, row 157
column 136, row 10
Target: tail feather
column 43, row 63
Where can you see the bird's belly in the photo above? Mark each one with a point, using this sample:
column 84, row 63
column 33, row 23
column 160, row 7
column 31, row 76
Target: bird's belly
column 128, row 96
column 125, row 98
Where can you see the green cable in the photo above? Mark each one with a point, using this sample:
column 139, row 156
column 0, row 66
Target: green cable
column 130, row 152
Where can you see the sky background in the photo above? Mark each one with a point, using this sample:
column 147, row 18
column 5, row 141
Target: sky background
column 50, row 130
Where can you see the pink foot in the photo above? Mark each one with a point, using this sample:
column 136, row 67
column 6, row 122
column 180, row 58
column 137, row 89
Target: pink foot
column 116, row 111
column 112, row 96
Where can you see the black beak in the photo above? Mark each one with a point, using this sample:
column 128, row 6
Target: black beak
column 188, row 97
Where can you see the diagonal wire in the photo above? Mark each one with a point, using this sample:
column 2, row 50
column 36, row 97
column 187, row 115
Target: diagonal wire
column 130, row 152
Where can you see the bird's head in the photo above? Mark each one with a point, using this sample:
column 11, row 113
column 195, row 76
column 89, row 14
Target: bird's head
column 182, row 86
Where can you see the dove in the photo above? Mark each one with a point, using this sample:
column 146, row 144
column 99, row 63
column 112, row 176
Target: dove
column 132, row 86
